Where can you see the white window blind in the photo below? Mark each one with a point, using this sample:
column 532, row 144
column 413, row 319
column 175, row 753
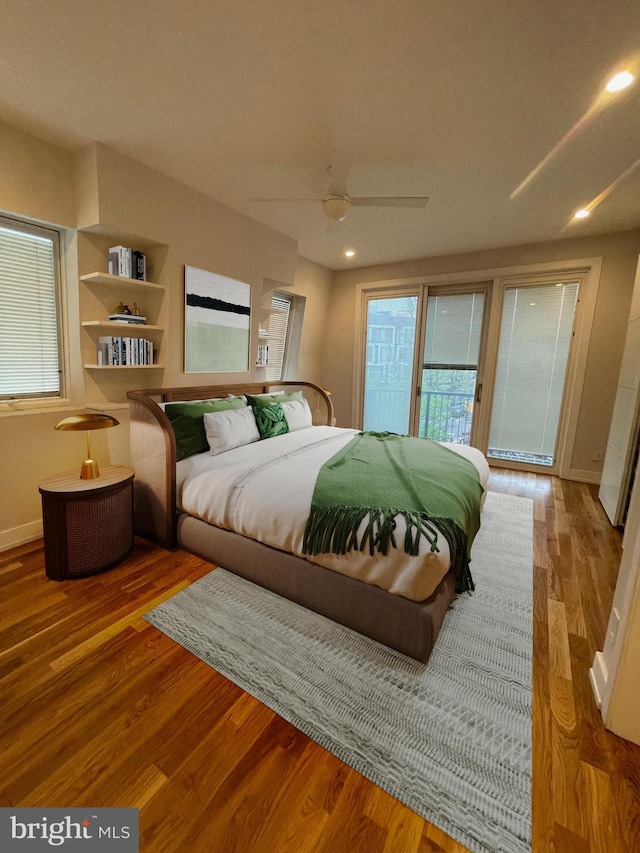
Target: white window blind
column 535, row 337
column 454, row 328
column 278, row 327
column 29, row 357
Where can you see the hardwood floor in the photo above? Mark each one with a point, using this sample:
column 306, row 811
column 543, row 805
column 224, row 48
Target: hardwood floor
column 99, row 708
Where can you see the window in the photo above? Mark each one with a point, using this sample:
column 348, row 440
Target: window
column 388, row 383
column 453, row 343
column 278, row 335
column 29, row 321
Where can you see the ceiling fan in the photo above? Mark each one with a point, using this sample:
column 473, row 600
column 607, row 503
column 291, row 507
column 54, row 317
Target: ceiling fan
column 337, row 202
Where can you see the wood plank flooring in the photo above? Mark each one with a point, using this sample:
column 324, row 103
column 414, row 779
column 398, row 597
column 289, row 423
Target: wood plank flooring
column 99, row 708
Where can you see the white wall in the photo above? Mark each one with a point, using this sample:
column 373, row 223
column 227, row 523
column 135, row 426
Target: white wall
column 615, row 674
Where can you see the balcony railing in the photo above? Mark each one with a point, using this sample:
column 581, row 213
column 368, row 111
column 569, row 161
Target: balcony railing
column 444, row 415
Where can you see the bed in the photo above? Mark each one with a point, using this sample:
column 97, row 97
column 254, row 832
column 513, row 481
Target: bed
column 210, row 505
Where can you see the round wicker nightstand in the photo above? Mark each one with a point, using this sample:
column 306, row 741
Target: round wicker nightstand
column 88, row 524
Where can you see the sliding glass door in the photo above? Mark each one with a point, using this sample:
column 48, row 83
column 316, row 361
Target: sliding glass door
column 533, row 354
column 434, row 395
column 431, row 349
column 450, row 385
column 390, row 348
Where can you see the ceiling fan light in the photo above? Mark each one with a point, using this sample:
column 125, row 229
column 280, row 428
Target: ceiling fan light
column 336, row 208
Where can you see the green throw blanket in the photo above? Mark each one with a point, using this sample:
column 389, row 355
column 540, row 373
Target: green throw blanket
column 381, row 475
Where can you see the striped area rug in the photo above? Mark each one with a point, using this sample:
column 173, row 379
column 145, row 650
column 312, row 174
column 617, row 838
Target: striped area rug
column 450, row 739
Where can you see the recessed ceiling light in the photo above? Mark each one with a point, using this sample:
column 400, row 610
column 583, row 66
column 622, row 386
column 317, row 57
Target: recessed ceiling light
column 620, row 81
column 349, row 253
column 581, row 214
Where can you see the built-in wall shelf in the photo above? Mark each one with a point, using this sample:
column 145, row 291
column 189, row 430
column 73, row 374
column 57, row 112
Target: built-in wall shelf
column 100, row 295
column 120, row 281
column 123, row 366
column 131, row 328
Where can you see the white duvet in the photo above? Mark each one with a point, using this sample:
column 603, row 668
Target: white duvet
column 263, row 491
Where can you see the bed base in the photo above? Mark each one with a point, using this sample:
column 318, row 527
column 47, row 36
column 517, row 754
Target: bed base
column 408, row 626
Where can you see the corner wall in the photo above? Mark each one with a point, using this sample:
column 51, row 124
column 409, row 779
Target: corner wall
column 112, row 198
column 146, row 208
column 315, row 284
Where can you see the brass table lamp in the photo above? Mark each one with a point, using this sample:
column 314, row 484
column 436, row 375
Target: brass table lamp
column 89, row 470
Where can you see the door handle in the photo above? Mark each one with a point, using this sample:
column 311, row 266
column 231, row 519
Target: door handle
column 479, row 392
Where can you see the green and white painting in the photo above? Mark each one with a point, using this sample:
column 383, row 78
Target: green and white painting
column 217, row 317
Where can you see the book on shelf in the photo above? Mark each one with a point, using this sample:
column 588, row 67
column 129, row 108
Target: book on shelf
column 263, row 355
column 119, row 261
column 139, row 266
column 135, row 319
column 126, row 262
column 123, row 351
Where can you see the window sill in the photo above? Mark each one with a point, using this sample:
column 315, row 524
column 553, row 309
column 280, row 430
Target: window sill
column 23, row 407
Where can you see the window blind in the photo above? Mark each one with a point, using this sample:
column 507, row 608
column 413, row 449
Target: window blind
column 29, row 358
column 453, row 330
column 278, row 327
column 535, row 337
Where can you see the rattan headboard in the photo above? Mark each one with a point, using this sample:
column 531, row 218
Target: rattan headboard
column 153, row 447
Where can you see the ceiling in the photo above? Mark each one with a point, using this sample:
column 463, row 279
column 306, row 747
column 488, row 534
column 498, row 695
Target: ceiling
column 457, row 100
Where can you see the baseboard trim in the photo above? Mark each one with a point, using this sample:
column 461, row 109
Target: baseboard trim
column 584, row 476
column 598, row 675
column 20, row 535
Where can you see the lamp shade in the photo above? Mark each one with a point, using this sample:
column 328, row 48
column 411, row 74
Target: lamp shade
column 89, row 421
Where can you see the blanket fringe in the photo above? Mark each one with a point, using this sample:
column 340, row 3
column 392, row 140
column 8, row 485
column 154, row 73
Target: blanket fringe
column 334, row 530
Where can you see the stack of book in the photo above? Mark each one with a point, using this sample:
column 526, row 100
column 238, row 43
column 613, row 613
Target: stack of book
column 135, row 319
column 263, row 355
column 122, row 352
column 126, row 262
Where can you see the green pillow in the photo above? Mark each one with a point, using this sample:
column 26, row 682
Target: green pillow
column 188, row 425
column 271, row 420
column 268, row 399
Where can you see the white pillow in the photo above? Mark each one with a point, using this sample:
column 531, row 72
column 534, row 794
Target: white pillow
column 233, row 428
column 298, row 414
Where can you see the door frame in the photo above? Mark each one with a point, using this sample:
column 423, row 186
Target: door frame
column 590, row 268
column 561, row 451
column 457, row 289
column 361, row 361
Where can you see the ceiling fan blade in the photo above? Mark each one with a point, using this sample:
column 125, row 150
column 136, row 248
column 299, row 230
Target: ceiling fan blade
column 339, row 172
column 267, row 198
column 390, row 201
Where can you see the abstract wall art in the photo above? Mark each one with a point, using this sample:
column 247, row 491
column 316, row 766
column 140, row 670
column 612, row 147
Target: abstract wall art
column 217, row 320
